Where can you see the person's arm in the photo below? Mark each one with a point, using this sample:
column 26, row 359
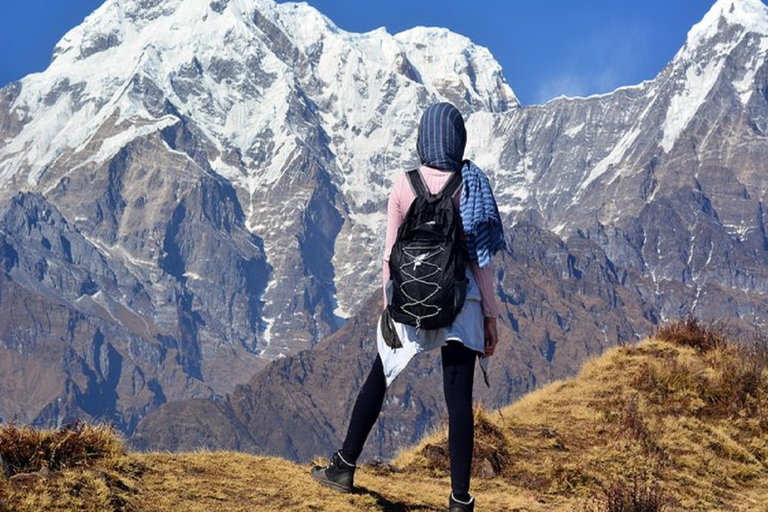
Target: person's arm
column 395, row 215
column 484, row 278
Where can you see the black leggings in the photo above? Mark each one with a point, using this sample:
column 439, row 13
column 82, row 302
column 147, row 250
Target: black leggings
column 458, row 376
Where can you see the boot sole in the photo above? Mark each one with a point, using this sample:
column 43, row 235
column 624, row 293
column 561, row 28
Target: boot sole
column 317, row 476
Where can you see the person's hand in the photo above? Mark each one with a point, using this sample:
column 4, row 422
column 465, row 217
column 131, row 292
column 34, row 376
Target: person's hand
column 491, row 335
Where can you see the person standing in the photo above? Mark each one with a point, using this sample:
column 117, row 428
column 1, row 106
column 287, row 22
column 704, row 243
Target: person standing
column 472, row 334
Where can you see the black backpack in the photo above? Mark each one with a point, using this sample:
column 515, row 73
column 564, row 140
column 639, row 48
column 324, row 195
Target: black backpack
column 429, row 258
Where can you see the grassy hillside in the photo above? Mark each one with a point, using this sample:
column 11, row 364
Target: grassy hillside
column 678, row 422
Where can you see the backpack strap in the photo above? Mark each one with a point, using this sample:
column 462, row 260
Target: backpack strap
column 452, row 185
column 419, row 188
column 417, row 183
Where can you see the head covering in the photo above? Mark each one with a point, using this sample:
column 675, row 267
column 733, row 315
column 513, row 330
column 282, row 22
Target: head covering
column 442, row 137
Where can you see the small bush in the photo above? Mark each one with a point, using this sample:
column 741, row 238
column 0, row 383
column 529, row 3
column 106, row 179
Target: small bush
column 691, row 333
column 637, row 497
column 741, row 382
column 729, row 379
column 26, row 449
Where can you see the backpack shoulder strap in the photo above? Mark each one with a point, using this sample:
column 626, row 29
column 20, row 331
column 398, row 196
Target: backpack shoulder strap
column 419, row 188
column 452, row 185
column 417, row 183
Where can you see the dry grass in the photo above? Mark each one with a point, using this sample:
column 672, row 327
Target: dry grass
column 691, row 332
column 25, row 449
column 663, row 426
column 77, row 467
column 635, row 497
column 685, row 417
column 490, row 454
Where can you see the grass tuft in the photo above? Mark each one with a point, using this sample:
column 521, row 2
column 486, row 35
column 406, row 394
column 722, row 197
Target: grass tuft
column 26, row 449
column 693, row 333
column 730, row 379
column 620, row 496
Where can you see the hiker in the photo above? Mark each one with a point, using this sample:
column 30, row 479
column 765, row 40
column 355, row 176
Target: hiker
column 470, row 334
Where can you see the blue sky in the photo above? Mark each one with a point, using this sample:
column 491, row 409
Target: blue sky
column 547, row 48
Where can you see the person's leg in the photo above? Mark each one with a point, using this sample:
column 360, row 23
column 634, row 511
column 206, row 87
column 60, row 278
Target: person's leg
column 458, row 378
column 365, row 413
column 339, row 474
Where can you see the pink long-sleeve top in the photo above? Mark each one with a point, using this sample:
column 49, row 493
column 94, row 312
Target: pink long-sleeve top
column 400, row 200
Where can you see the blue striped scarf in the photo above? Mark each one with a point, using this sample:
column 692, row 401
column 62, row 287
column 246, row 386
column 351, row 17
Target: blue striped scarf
column 480, row 216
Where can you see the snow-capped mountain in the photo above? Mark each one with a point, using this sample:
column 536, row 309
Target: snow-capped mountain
column 195, row 188
column 666, row 175
column 228, row 158
column 264, row 94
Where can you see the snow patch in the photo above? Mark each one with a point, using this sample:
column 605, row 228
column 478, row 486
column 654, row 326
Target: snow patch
column 613, row 158
column 110, row 147
column 740, row 230
column 684, row 105
column 574, row 130
column 127, row 257
column 374, row 222
column 745, row 87
column 341, row 313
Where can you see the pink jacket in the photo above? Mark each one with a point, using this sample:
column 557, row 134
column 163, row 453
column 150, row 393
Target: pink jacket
column 400, row 200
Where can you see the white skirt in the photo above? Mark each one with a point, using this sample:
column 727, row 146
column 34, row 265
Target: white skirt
column 467, row 328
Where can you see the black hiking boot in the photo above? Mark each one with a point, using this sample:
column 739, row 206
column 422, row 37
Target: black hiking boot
column 337, row 475
column 455, row 505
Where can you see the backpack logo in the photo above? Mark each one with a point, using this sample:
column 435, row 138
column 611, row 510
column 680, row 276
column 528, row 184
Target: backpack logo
column 419, row 257
column 428, row 260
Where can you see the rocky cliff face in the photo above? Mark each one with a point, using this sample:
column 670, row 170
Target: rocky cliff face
column 209, row 182
column 81, row 333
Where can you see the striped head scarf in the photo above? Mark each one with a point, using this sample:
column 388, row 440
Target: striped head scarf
column 442, row 137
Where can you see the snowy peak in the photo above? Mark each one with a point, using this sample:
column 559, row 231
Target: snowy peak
column 301, row 22
column 110, row 25
column 232, row 66
column 728, row 46
column 136, row 24
column 93, row 35
column 748, row 16
column 425, row 55
column 178, row 27
column 456, row 59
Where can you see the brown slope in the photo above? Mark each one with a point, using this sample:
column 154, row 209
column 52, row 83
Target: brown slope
column 682, row 414
column 678, row 422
